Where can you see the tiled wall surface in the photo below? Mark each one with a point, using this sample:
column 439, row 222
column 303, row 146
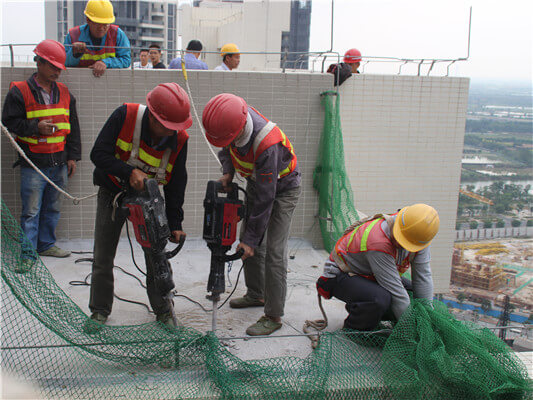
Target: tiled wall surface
column 403, row 139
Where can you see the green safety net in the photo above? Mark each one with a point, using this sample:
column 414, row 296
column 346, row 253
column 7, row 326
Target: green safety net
column 46, row 341
column 336, row 209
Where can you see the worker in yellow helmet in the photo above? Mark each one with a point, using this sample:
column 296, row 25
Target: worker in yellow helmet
column 230, row 57
column 365, row 267
column 98, row 44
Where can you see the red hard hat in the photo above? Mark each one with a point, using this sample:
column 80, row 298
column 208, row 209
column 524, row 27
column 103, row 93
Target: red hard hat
column 352, row 56
column 224, row 117
column 169, row 103
column 53, row 52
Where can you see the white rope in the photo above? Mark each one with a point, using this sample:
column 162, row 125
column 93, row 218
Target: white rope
column 74, row 199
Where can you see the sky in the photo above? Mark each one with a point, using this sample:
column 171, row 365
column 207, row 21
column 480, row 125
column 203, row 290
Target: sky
column 501, row 37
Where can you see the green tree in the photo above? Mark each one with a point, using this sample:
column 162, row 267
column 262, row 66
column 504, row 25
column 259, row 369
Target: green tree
column 529, row 222
column 487, row 224
column 515, row 223
column 461, row 297
column 500, row 224
column 458, row 225
column 486, row 306
column 474, row 224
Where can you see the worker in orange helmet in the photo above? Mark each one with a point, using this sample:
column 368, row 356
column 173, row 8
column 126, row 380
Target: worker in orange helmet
column 350, row 65
column 41, row 113
column 365, row 267
column 259, row 151
column 138, row 142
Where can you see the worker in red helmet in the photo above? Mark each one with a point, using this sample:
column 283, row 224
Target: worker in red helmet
column 350, row 65
column 41, row 113
column 138, row 142
column 258, row 150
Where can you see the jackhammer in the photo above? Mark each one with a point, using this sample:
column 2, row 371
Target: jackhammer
column 221, row 216
column 146, row 211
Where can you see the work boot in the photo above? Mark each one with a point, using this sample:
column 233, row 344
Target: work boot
column 166, row 320
column 24, row 265
column 245, row 301
column 265, row 326
column 94, row 323
column 55, row 251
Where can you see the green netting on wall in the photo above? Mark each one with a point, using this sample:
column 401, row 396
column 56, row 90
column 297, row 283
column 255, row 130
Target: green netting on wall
column 336, row 209
column 428, row 355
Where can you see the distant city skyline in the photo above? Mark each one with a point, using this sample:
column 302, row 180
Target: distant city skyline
column 501, row 39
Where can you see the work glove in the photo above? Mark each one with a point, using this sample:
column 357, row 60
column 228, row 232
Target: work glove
column 324, row 286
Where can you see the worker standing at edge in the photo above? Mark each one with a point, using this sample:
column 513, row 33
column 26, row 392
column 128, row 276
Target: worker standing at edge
column 41, row 112
column 98, row 44
column 230, row 57
column 364, row 269
column 350, row 65
column 258, row 150
column 138, row 142
column 192, row 57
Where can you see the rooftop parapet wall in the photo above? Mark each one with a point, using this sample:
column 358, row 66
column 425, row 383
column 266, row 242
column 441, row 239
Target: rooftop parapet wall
column 403, row 140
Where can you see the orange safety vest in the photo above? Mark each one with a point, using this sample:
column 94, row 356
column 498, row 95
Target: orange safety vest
column 57, row 113
column 368, row 237
column 131, row 149
column 267, row 137
column 92, row 55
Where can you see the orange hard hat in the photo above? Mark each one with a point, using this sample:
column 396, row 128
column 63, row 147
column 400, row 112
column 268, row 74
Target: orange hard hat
column 223, row 118
column 53, row 52
column 416, row 226
column 170, row 105
column 352, row 56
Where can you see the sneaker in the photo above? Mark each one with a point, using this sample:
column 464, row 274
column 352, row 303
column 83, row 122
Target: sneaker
column 24, row 265
column 55, row 251
column 95, row 323
column 166, row 320
column 265, row 326
column 245, row 301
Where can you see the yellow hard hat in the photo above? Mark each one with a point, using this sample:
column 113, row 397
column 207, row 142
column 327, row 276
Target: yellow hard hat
column 229, row 48
column 416, row 226
column 100, row 11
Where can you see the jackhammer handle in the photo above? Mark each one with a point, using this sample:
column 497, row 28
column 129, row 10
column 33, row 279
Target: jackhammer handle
column 232, row 257
column 172, row 253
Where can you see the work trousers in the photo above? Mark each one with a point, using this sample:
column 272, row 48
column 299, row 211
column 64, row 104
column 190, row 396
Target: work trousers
column 366, row 301
column 40, row 207
column 265, row 273
column 106, row 237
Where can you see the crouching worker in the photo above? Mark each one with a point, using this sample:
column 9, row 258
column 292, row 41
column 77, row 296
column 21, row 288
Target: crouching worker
column 258, row 150
column 138, row 142
column 364, row 268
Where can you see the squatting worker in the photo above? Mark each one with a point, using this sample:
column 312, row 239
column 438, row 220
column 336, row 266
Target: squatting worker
column 364, row 268
column 138, row 142
column 98, row 44
column 41, row 112
column 350, row 65
column 257, row 149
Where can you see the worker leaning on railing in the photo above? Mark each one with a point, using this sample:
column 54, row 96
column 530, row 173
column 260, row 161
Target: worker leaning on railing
column 42, row 114
column 98, row 44
column 364, row 269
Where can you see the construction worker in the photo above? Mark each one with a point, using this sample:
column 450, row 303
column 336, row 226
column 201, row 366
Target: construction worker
column 191, row 57
column 98, row 44
column 230, row 57
column 143, row 60
column 364, row 268
column 41, row 112
column 342, row 71
column 138, row 142
column 258, row 150
column 155, row 57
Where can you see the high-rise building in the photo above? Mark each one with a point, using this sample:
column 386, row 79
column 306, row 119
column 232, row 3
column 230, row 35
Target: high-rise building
column 144, row 22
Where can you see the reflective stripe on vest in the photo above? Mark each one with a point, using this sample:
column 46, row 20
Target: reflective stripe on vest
column 58, row 113
column 106, row 51
column 131, row 149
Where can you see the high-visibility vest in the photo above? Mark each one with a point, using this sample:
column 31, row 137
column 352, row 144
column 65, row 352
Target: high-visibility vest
column 58, row 114
column 130, row 148
column 368, row 236
column 266, row 137
column 91, row 55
